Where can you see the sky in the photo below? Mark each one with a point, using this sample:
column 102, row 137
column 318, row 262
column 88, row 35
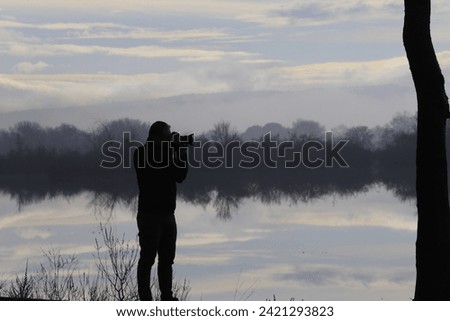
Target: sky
column 194, row 63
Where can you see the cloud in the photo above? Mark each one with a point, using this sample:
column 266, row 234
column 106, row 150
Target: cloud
column 201, row 7
column 231, row 75
column 32, row 233
column 215, row 9
column 261, row 61
column 59, row 90
column 329, row 275
column 351, row 73
column 263, row 12
column 108, row 30
column 325, row 12
column 126, row 32
column 149, row 52
column 10, row 36
column 29, row 67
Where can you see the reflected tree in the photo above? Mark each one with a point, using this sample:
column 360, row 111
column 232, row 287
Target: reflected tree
column 226, row 205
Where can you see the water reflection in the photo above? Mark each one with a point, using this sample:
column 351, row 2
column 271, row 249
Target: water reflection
column 303, row 234
column 223, row 188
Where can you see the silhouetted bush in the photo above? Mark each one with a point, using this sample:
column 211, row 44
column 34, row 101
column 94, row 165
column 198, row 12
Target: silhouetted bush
column 58, row 277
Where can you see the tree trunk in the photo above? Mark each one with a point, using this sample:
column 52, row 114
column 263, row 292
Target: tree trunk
column 433, row 230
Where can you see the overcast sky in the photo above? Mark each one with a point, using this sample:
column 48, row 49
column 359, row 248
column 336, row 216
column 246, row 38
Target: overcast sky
column 193, row 63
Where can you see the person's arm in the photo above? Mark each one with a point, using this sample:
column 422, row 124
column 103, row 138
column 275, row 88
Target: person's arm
column 180, row 169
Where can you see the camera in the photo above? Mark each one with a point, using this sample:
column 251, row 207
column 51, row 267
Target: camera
column 182, row 140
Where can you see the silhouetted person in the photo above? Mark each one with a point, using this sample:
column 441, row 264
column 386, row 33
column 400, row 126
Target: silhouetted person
column 158, row 171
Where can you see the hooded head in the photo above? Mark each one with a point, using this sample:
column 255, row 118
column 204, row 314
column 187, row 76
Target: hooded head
column 159, row 131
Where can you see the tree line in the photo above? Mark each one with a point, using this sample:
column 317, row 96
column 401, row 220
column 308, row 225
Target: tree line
column 39, row 162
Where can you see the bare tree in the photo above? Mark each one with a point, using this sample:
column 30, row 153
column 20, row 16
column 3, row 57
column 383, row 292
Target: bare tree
column 224, row 133
column 360, row 135
column 307, row 129
column 56, row 277
column 433, row 232
column 22, row 287
column 118, row 266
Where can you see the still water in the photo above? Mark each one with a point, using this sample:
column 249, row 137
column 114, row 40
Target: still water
column 358, row 247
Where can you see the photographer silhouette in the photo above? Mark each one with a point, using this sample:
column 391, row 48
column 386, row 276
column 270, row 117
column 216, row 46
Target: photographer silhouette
column 159, row 167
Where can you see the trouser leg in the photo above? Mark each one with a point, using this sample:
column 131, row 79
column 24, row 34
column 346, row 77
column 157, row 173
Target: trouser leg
column 149, row 235
column 143, row 278
column 166, row 257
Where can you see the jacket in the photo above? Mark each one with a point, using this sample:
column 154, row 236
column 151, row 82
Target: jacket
column 158, row 170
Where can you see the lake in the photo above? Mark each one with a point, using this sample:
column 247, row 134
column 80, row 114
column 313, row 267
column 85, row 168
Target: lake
column 357, row 246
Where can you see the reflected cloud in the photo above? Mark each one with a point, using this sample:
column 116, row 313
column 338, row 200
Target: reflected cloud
column 206, row 260
column 32, row 233
column 345, row 276
column 265, row 243
column 206, row 239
